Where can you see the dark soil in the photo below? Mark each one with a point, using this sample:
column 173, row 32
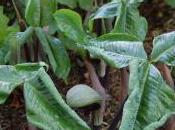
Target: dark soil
column 161, row 19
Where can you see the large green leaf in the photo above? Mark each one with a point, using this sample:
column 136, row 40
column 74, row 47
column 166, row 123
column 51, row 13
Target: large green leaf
column 116, row 53
column 130, row 21
column 56, row 52
column 13, row 76
column 39, row 12
column 84, row 4
column 46, row 108
column 164, row 49
column 151, row 102
column 70, row 23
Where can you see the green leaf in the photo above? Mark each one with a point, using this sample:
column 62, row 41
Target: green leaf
column 128, row 18
column 39, row 13
column 118, row 37
column 84, row 4
column 33, row 12
column 70, row 23
column 23, row 37
column 116, row 53
column 46, row 108
column 13, row 76
column 129, row 21
column 70, row 3
column 9, row 80
column 134, row 1
column 150, row 103
column 48, row 7
column 6, row 34
column 5, row 30
column 164, row 49
column 56, row 52
column 108, row 10
column 171, row 2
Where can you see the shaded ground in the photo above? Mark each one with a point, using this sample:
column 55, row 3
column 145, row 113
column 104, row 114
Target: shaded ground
column 161, row 19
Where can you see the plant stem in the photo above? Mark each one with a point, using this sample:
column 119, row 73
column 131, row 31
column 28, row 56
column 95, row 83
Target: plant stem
column 102, row 71
column 98, row 117
column 123, row 84
column 167, row 75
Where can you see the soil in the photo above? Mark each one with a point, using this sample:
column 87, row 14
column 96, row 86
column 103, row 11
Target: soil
column 161, row 19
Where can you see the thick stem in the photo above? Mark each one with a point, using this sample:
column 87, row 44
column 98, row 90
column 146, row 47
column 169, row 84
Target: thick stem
column 167, row 75
column 102, row 71
column 123, row 84
column 94, row 78
column 98, row 117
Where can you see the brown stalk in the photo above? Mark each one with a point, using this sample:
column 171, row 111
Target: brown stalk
column 100, row 89
column 123, row 84
column 167, row 75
